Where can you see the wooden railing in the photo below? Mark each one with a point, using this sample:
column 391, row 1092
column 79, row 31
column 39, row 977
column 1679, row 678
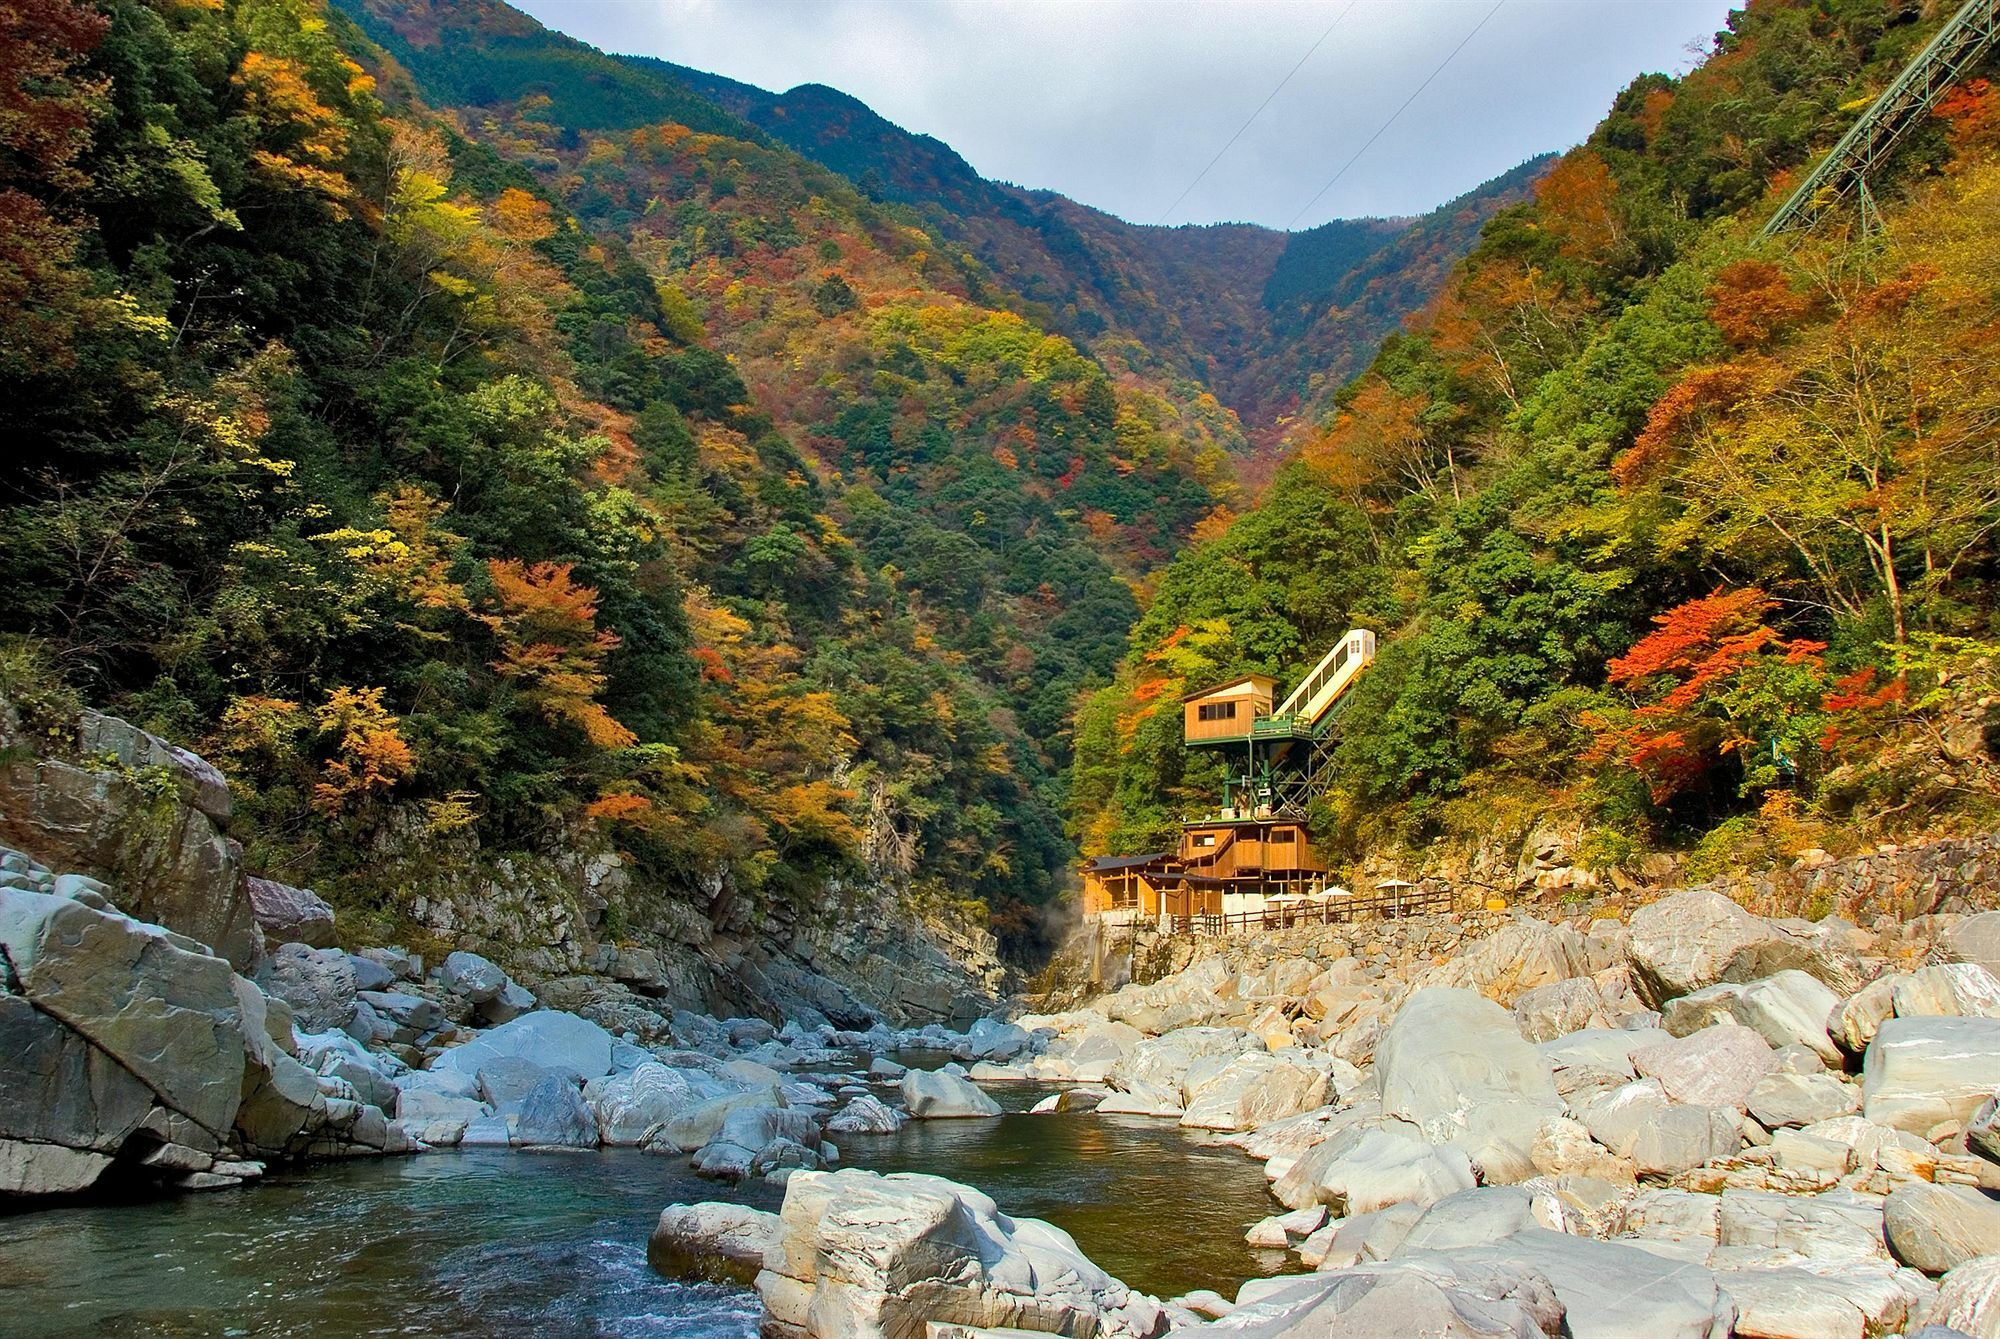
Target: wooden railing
column 1390, row 905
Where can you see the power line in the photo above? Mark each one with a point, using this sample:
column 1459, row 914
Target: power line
column 1168, row 211
column 1398, row 112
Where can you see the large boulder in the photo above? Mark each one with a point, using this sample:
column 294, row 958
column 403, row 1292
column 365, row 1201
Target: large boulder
column 474, row 978
column 1609, row 1290
column 1160, row 1064
column 1968, row 1300
column 941, row 1095
column 866, row 1114
column 552, row 1114
column 1454, row 1064
column 1690, row 941
column 547, row 1037
column 718, row 1243
column 289, row 915
column 68, row 1108
column 1715, row 1067
column 1947, row 990
column 318, row 984
column 1524, row 955
column 631, row 1105
column 1937, row 1228
column 200, row 781
column 1370, row 1167
column 1788, row 1008
column 1919, row 1073
column 1801, row 1099
column 1252, row 1090
column 860, row 1254
column 171, row 863
column 1975, row 939
column 1434, row 1298
column 158, row 1005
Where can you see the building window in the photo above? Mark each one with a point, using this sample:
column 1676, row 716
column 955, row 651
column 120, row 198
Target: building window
column 1124, row 895
column 1282, row 836
column 1205, row 839
column 1215, row 711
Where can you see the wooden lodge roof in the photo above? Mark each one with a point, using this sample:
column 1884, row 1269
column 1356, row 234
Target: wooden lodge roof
column 1262, row 683
column 1105, row 864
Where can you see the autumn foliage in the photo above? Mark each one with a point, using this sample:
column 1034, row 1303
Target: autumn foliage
column 551, row 647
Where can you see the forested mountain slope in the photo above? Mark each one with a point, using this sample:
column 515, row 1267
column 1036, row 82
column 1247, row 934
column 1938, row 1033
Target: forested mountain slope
column 1675, row 539
column 1260, row 316
column 455, row 477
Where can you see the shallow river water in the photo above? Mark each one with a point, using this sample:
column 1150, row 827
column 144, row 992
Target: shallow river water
column 489, row 1242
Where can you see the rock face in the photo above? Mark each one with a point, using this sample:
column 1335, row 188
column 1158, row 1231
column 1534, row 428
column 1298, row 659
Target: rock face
column 1454, row 1064
column 161, row 1007
column 170, row 860
column 860, row 1254
column 1921, row 1072
column 1252, row 1090
column 547, row 1037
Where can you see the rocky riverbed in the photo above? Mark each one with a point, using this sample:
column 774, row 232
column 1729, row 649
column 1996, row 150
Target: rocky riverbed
column 1697, row 1123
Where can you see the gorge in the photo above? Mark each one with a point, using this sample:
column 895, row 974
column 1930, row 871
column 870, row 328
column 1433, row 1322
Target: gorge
column 567, row 625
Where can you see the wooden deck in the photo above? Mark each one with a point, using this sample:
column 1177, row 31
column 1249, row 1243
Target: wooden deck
column 1330, row 911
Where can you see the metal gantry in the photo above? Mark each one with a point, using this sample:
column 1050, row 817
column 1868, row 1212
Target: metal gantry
column 1944, row 61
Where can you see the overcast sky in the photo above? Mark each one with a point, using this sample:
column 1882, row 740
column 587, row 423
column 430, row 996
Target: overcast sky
column 1122, row 103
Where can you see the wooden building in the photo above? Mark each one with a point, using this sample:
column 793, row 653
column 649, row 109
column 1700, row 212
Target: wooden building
column 1122, row 888
column 1226, row 713
column 1243, row 860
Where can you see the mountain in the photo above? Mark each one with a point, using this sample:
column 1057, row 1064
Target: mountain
column 1258, row 315
column 1679, row 543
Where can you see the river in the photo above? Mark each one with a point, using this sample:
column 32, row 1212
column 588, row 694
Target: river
column 553, row 1245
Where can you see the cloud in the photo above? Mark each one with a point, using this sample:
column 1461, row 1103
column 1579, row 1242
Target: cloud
column 1120, row 103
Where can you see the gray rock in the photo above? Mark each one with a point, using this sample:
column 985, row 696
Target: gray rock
column 512, row 1001
column 1402, row 1297
column 505, row 1079
column 1453, row 1064
column 1684, row 1137
column 552, row 1115
column 414, row 1012
column 1982, row 1133
column 1609, row 1290
column 1560, row 1008
column 164, row 1011
column 1616, row 1118
column 865, row 1114
column 1968, row 1299
column 883, row 1068
column 289, row 915
column 1975, row 939
column 1715, row 1067
column 860, row 1254
column 200, row 780
column 60, row 1090
column 1252, row 1090
column 720, row 1243
column 1949, row 990
column 318, row 984
column 1788, row 1008
column 1937, row 1228
column 1690, row 941
column 1370, row 1167
column 548, row 1037
column 699, row 1124
column 1801, row 1099
column 1477, row 1217
column 1921, row 1072
column 629, row 1106
column 31, row 1169
column 938, row 1095
column 471, row 976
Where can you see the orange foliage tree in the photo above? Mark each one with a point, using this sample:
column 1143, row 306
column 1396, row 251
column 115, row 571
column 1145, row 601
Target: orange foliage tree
column 1713, row 680
column 551, row 646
